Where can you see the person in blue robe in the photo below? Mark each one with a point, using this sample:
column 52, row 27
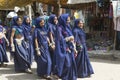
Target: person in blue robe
column 13, row 25
column 28, row 34
column 53, row 23
column 18, row 47
column 3, row 54
column 64, row 50
column 84, row 68
column 42, row 55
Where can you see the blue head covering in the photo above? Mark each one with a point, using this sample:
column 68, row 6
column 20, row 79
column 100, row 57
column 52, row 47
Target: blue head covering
column 51, row 19
column 14, row 21
column 24, row 21
column 1, row 28
column 66, row 30
column 63, row 19
column 77, row 22
column 38, row 20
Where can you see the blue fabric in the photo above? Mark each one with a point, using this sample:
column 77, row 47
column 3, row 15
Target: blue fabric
column 52, row 29
column 19, row 30
column 63, row 19
column 76, row 22
column 46, row 25
column 52, row 25
column 24, row 21
column 1, row 28
column 65, row 27
column 84, row 67
column 51, row 19
column 21, row 57
column 27, row 30
column 28, row 38
column 3, row 55
column 43, row 62
column 65, row 61
column 37, row 21
column 13, row 22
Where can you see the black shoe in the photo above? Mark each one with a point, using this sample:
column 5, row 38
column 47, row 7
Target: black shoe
column 28, row 71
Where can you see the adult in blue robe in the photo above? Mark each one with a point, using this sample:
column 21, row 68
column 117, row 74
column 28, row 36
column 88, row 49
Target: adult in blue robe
column 18, row 47
column 64, row 50
column 53, row 24
column 3, row 55
column 42, row 55
column 84, row 68
column 13, row 25
column 28, row 34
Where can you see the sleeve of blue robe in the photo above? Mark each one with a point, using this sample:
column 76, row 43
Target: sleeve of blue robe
column 50, row 28
column 82, row 36
column 27, row 32
column 77, row 38
column 35, row 34
column 61, row 40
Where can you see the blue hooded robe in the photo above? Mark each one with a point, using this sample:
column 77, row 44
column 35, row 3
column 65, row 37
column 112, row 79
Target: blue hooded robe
column 65, row 61
column 43, row 61
column 84, row 68
column 52, row 29
column 21, row 56
column 27, row 31
column 3, row 55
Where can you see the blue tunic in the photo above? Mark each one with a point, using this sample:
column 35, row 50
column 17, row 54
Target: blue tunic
column 65, row 61
column 27, row 30
column 43, row 61
column 84, row 67
column 3, row 55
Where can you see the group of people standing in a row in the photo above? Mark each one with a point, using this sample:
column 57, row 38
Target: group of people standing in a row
column 57, row 48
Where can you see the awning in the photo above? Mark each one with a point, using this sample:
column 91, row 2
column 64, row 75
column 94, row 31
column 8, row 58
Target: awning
column 64, row 4
column 10, row 4
column 80, row 1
